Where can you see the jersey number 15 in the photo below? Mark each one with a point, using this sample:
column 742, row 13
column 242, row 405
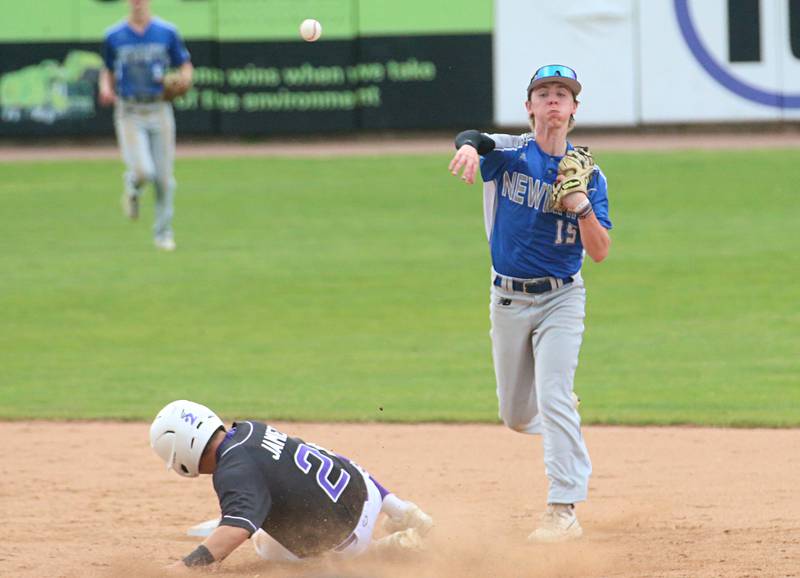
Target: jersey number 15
column 565, row 235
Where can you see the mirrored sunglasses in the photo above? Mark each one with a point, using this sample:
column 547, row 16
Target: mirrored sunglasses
column 555, row 70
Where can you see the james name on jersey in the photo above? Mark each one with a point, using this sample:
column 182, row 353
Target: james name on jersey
column 274, row 442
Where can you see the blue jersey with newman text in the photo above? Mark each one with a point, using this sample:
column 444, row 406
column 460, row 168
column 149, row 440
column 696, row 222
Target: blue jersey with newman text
column 527, row 238
column 140, row 61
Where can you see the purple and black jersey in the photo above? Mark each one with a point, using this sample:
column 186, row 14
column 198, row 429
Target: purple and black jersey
column 305, row 497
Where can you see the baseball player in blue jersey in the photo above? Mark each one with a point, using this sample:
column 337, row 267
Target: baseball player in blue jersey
column 293, row 498
column 545, row 204
column 138, row 53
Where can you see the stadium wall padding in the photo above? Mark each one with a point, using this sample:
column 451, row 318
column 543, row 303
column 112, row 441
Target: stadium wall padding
column 420, row 66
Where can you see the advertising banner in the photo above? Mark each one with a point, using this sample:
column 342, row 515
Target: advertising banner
column 720, row 60
column 655, row 61
column 376, row 67
column 50, row 89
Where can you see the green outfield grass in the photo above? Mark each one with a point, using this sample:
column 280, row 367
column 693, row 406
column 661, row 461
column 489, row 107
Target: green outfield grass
column 357, row 289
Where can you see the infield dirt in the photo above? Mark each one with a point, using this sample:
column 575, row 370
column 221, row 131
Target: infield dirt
column 92, row 499
column 376, row 145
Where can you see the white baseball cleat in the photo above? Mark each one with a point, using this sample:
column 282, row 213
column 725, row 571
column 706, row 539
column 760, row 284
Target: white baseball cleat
column 414, row 518
column 130, row 206
column 558, row 523
column 165, row 243
column 408, row 540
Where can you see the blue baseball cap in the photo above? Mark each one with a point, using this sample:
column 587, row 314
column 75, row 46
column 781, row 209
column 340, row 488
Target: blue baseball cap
column 555, row 73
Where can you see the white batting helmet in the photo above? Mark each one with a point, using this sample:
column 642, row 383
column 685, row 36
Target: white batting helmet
column 180, row 432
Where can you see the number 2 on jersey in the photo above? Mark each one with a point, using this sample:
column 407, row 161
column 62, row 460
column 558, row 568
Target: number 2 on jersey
column 302, row 458
column 568, row 237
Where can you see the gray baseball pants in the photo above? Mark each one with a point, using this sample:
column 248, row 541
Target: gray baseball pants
column 535, row 344
column 146, row 136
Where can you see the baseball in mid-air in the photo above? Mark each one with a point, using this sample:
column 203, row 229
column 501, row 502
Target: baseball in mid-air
column 310, row 30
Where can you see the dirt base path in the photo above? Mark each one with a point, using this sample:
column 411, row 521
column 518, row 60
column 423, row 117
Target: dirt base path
column 788, row 137
column 92, row 499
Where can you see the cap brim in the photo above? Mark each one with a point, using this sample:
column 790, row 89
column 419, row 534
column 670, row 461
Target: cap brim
column 573, row 85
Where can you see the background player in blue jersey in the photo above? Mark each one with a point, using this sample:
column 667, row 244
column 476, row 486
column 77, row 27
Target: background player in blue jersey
column 138, row 53
column 537, row 294
column 294, row 498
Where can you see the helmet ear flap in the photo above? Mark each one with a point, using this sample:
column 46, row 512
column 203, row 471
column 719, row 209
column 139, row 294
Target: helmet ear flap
column 164, row 445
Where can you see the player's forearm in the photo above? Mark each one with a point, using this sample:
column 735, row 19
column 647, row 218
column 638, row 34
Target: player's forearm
column 224, row 540
column 187, row 72
column 106, row 80
column 595, row 238
column 217, row 547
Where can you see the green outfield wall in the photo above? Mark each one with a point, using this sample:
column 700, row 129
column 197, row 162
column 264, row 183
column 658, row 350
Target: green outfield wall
column 85, row 20
column 379, row 65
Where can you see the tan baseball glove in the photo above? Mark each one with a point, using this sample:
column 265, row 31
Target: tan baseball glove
column 174, row 86
column 576, row 168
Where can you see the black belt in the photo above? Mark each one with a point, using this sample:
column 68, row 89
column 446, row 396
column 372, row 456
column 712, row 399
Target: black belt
column 537, row 286
column 143, row 99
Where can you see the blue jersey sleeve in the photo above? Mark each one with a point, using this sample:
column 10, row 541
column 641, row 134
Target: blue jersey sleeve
column 598, row 195
column 109, row 53
column 178, row 54
column 492, row 164
column 506, row 149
